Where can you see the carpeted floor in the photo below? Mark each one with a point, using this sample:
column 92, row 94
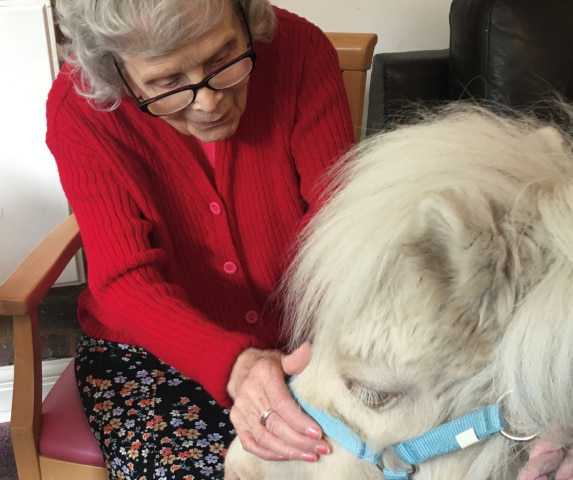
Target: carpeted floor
column 7, row 466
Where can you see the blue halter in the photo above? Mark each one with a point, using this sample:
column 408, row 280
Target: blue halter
column 455, row 435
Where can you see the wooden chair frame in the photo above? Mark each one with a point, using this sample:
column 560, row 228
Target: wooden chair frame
column 355, row 52
column 21, row 293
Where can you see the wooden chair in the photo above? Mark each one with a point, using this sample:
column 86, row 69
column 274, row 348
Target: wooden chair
column 52, row 439
column 355, row 51
column 34, row 425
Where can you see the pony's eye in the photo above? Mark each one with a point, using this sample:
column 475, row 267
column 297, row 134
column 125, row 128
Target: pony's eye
column 369, row 397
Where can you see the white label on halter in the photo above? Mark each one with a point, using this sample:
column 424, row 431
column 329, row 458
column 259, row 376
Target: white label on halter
column 467, row 438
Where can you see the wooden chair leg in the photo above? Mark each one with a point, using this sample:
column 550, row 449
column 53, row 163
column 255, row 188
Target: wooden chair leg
column 26, row 418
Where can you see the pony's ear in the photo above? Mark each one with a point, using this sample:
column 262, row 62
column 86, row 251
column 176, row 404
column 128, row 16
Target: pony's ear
column 467, row 246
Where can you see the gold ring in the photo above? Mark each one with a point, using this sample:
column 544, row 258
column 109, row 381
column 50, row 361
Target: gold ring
column 265, row 416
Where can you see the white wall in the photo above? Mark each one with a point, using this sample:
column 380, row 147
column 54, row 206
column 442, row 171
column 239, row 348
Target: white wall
column 401, row 25
column 31, row 199
column 51, row 371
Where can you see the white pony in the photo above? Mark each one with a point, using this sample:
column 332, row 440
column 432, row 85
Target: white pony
column 437, row 280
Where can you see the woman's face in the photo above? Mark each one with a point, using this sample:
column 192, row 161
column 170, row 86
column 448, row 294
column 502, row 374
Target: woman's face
column 214, row 115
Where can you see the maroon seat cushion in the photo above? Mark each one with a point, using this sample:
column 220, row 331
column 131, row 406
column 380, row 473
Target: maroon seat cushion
column 66, row 433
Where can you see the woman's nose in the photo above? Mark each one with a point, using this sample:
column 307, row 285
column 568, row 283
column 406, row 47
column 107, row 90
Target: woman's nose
column 206, row 100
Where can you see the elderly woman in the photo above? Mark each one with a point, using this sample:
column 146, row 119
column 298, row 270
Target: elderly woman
column 190, row 137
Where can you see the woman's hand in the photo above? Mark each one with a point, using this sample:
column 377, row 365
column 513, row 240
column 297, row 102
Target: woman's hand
column 257, row 385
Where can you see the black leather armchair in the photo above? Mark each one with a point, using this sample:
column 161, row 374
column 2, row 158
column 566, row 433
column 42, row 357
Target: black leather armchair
column 515, row 53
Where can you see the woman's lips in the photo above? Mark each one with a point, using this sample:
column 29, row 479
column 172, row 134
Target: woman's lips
column 212, row 123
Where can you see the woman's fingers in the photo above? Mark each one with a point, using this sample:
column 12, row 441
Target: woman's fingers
column 277, row 441
column 294, row 426
column 252, row 445
column 287, row 432
column 257, row 385
column 296, row 362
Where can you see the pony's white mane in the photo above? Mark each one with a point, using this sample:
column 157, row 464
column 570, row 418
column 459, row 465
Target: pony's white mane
column 378, row 189
column 396, row 202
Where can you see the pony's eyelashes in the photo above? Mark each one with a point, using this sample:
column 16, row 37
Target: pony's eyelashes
column 369, row 396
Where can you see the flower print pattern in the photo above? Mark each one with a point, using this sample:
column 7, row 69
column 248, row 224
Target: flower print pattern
column 152, row 422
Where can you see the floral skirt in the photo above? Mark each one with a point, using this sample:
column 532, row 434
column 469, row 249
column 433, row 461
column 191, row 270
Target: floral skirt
column 151, row 422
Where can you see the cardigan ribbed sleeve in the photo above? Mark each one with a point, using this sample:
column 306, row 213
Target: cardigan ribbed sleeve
column 181, row 264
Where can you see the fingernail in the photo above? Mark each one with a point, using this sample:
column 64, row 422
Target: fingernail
column 314, row 433
column 283, row 459
column 322, row 449
column 309, row 457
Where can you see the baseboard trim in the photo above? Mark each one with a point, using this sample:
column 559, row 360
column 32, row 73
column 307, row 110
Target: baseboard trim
column 51, row 370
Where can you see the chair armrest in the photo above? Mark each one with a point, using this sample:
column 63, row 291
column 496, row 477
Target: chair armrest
column 402, row 78
column 21, row 292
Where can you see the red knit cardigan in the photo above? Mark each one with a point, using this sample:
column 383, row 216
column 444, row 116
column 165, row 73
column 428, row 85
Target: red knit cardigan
column 181, row 265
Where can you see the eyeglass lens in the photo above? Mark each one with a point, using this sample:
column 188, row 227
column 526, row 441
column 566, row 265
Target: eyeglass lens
column 226, row 78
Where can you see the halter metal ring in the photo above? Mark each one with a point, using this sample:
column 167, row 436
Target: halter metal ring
column 510, row 436
column 413, row 469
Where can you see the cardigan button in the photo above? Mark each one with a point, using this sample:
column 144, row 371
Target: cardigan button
column 252, row 317
column 230, row 268
column 215, row 208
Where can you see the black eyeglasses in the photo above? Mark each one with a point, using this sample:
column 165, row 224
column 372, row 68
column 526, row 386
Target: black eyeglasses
column 227, row 76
